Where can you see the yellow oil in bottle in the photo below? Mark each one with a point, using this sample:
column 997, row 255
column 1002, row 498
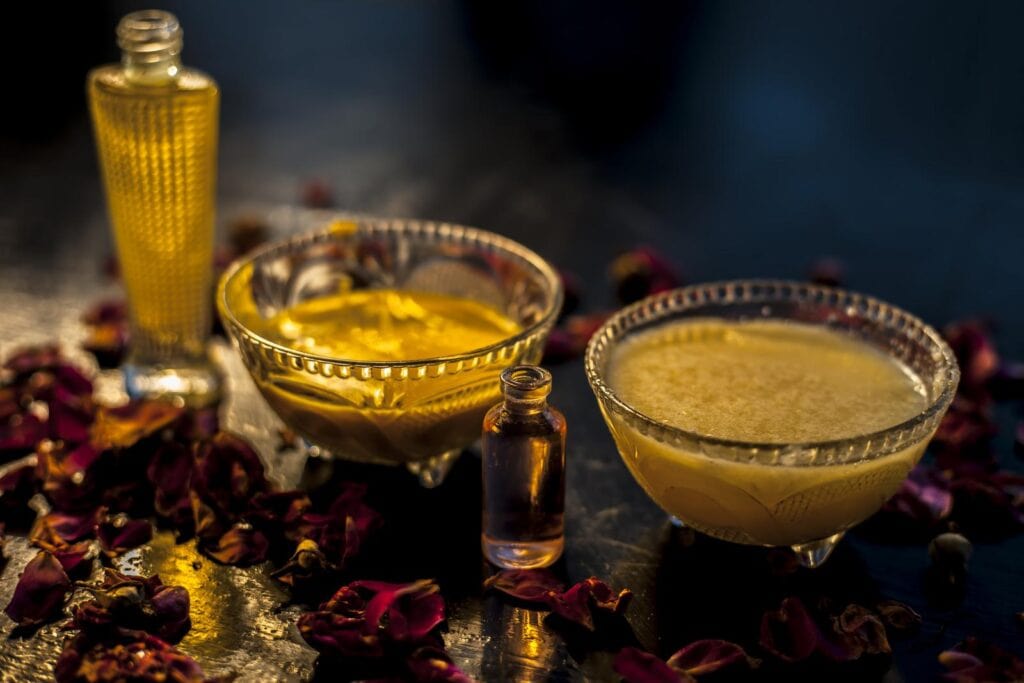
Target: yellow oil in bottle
column 156, row 132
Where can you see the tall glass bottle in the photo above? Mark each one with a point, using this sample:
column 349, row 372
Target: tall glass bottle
column 524, row 473
column 156, row 132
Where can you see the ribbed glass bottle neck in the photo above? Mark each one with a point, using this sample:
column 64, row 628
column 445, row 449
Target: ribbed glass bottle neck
column 526, row 389
column 150, row 43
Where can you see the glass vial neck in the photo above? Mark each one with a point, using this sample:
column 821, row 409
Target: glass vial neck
column 150, row 43
column 526, row 388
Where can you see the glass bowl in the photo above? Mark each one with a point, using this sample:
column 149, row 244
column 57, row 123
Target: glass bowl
column 418, row 413
column 802, row 495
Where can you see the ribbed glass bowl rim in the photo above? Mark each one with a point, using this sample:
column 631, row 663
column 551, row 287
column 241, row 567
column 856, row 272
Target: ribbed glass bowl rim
column 668, row 303
column 369, row 226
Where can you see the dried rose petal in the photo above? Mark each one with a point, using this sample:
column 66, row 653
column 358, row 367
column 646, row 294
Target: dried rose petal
column 71, row 379
column 855, row 632
column 76, row 558
column 430, row 664
column 126, row 425
column 20, row 434
column 641, row 272
column 281, row 512
column 106, row 311
column 108, row 343
column 118, row 533
column 989, row 505
column 132, row 602
column 924, row 497
column 339, row 627
column 569, row 340
column 531, row 585
column 70, row 417
column 965, row 433
column 707, row 656
column 133, row 656
column 977, row 660
column 198, row 425
column 41, row 591
column 828, row 271
column 17, row 486
column 789, row 633
column 228, row 473
column 971, row 341
column 170, row 473
column 637, row 666
column 240, row 546
column 897, row 616
column 578, row 603
column 68, row 477
column 57, row 529
column 316, row 194
column 30, row 359
column 341, row 531
column 405, row 612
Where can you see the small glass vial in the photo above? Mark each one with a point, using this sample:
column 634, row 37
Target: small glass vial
column 524, row 473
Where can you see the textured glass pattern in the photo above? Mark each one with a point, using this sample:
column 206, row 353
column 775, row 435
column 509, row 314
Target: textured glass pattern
column 158, row 152
column 802, row 494
column 389, row 412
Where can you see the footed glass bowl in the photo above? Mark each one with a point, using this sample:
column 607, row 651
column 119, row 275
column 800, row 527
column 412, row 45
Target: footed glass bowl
column 418, row 413
column 802, row 495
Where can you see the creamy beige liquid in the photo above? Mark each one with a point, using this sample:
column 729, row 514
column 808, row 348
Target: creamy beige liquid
column 766, row 382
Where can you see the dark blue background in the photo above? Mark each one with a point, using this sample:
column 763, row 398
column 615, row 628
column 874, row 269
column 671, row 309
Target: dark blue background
column 742, row 139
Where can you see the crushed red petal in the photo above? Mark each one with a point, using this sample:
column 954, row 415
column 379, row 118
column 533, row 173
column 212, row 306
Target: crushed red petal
column 432, row 664
column 118, row 533
column 170, row 474
column 856, row 632
column 20, row 434
column 404, row 612
column 360, row 619
column 971, row 342
column 828, row 271
column 569, row 340
column 76, row 558
column 125, row 426
column 131, row 656
column 240, row 546
column 899, row 617
column 134, row 602
column 41, row 590
column 579, row 602
column 637, row 666
column 58, row 528
column 228, row 473
column 27, row 360
column 316, row 194
column 68, row 478
column 530, row 585
column 923, row 497
column 708, row 656
column 641, row 272
column 977, row 660
column 17, row 486
column 789, row 633
column 965, row 433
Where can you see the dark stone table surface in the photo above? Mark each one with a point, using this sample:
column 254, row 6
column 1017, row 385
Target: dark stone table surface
column 741, row 140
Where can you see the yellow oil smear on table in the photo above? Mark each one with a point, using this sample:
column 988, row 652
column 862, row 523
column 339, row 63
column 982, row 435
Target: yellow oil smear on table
column 762, row 382
column 381, row 415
